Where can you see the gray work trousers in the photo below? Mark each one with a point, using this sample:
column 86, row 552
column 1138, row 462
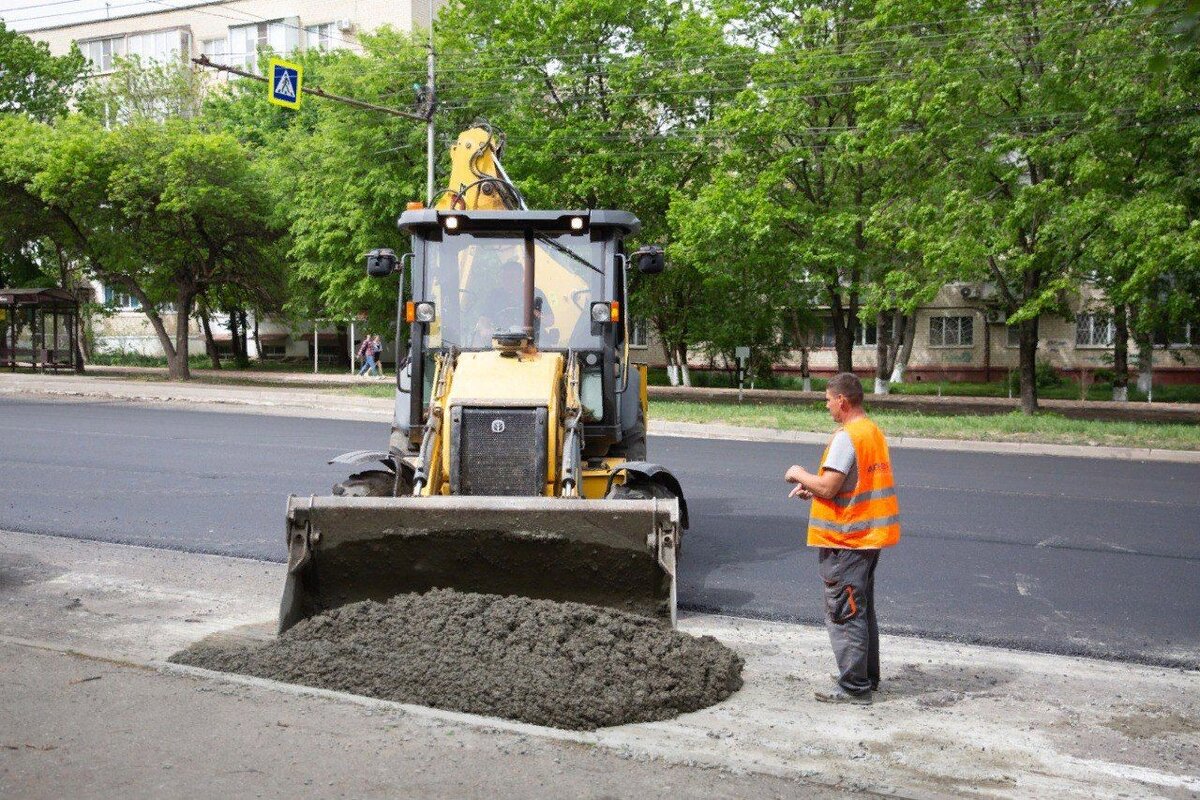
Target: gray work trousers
column 849, row 577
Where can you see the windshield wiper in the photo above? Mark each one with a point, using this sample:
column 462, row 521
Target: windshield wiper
column 567, row 251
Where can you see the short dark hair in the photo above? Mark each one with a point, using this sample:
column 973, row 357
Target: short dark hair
column 848, row 385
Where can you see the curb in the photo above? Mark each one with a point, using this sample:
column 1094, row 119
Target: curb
column 695, row 430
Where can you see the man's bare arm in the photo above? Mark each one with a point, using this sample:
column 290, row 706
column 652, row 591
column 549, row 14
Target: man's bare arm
column 826, row 485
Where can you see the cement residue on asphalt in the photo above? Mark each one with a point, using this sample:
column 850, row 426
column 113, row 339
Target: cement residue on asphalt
column 565, row 665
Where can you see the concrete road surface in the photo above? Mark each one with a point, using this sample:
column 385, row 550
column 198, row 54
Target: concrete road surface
column 1064, row 555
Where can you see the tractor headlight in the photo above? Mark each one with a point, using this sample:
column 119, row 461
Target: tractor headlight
column 601, row 312
column 451, row 223
column 425, row 312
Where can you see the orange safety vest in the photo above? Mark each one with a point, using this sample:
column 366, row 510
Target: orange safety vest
column 865, row 516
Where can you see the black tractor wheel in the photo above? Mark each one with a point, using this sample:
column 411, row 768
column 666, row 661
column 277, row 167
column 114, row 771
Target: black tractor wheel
column 633, row 446
column 645, row 490
column 372, row 483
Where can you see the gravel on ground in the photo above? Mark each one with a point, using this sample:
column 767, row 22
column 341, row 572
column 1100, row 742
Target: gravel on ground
column 564, row 665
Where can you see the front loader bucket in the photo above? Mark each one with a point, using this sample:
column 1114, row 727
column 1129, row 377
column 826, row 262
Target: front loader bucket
column 615, row 553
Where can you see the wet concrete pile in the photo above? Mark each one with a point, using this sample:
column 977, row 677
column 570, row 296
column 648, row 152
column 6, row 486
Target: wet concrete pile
column 565, row 665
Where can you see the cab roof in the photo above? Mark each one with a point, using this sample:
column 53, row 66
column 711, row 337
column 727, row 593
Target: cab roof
column 430, row 219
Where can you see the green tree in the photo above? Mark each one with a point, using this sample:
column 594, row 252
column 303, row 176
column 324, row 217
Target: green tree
column 137, row 90
column 602, row 104
column 1007, row 94
column 159, row 210
column 33, row 82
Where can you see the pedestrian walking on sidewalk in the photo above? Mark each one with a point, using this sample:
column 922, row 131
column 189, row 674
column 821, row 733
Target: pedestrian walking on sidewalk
column 854, row 515
column 377, row 354
column 366, row 353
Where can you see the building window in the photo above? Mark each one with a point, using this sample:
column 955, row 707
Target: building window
column 1184, row 335
column 322, row 37
column 1094, row 330
column 159, row 46
column 216, row 50
column 245, row 41
column 638, row 330
column 1012, row 335
column 273, row 350
column 100, row 53
column 865, row 335
column 950, row 332
column 828, row 339
column 122, row 301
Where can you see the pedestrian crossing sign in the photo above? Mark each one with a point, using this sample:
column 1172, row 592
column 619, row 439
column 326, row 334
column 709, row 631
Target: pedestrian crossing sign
column 285, row 78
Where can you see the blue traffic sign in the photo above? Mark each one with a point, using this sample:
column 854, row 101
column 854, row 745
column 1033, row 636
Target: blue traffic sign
column 284, row 82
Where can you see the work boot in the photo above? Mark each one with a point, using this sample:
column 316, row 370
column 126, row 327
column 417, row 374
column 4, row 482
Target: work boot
column 837, row 680
column 840, row 695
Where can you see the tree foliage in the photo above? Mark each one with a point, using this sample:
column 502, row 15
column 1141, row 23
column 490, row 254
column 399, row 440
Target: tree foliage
column 839, row 158
column 33, row 82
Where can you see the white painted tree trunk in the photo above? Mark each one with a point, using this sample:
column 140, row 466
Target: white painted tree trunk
column 898, row 372
column 1145, row 365
column 673, row 374
column 808, row 384
column 1121, row 394
column 687, row 375
column 882, row 386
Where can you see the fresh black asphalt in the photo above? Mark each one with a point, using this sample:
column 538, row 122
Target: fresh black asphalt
column 1070, row 555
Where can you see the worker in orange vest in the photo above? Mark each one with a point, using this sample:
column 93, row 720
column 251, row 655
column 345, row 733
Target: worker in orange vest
column 854, row 515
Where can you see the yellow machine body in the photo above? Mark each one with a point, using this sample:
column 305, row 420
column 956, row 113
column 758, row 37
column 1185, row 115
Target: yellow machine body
column 553, row 525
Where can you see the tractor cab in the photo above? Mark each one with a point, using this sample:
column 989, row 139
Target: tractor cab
column 529, row 281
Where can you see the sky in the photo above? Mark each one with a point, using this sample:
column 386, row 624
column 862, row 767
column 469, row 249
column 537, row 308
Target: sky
column 23, row 15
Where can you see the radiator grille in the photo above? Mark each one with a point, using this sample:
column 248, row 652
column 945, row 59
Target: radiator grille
column 498, row 451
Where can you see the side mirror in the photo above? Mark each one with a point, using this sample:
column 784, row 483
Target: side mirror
column 650, row 260
column 381, row 262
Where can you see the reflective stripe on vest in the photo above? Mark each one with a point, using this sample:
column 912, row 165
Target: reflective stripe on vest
column 868, row 515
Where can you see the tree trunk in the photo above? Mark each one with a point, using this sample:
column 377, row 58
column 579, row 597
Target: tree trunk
column 243, row 353
column 672, row 370
column 685, row 376
column 843, row 342
column 210, row 344
column 160, row 330
column 231, row 324
column 1145, row 362
column 883, row 348
column 909, row 333
column 258, row 341
column 843, row 334
column 77, row 323
column 805, row 371
column 1028, row 361
column 1120, row 384
column 179, row 367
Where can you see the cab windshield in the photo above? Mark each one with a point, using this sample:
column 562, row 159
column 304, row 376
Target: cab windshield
column 475, row 282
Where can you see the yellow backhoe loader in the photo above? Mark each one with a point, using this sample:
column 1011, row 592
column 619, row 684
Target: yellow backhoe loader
column 517, row 459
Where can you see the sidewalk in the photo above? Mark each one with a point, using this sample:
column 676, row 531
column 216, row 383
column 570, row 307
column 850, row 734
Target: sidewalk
column 1073, row 409
column 323, row 398
column 90, row 711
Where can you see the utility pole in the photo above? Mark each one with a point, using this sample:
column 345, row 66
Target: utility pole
column 429, row 160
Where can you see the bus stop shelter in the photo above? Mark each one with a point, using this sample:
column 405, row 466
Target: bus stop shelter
column 37, row 329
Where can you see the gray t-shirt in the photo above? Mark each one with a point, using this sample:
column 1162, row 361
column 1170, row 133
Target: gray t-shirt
column 842, row 458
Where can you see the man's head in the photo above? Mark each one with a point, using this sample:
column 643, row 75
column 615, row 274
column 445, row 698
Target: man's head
column 843, row 396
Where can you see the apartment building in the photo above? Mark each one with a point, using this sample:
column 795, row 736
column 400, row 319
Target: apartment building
column 961, row 336
column 229, row 31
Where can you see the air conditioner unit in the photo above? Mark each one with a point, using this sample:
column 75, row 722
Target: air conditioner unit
column 996, row 316
column 344, row 25
column 969, row 292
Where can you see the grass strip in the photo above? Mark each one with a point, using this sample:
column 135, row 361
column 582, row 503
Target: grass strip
column 1045, row 427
